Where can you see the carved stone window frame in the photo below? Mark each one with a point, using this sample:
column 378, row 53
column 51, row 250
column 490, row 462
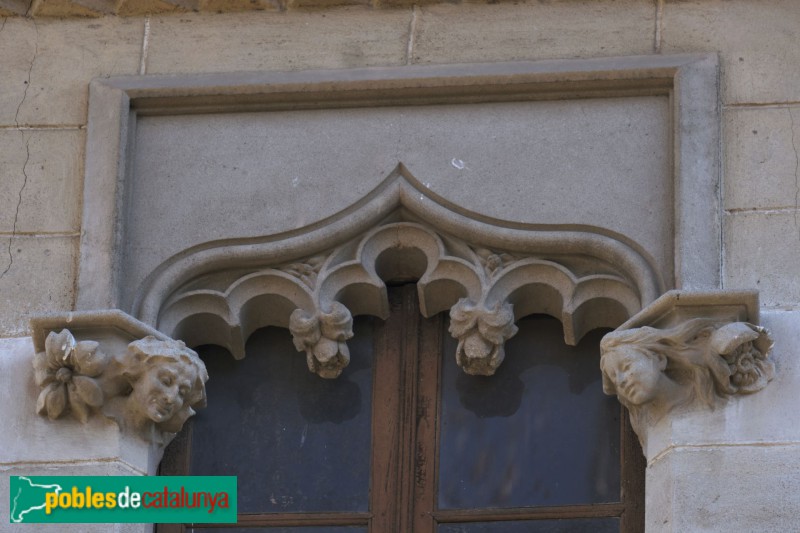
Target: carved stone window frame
column 689, row 81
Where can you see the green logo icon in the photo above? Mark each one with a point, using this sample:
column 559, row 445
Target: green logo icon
column 122, row 499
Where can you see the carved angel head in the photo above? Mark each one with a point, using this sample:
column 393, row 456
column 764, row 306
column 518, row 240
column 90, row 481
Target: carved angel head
column 167, row 382
column 481, row 335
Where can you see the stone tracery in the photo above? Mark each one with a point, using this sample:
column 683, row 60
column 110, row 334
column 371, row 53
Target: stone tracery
column 484, row 290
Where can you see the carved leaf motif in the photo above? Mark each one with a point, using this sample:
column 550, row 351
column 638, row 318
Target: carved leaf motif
column 58, row 347
column 41, row 371
column 41, row 401
column 322, row 336
column 338, row 324
column 493, row 262
column 304, row 328
column 462, row 318
column 56, row 401
column 87, row 391
column 89, row 361
column 481, row 334
column 306, row 271
column 498, row 325
column 745, row 348
column 79, row 409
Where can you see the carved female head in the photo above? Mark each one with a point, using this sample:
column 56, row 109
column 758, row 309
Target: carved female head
column 635, row 375
column 672, row 366
column 167, row 380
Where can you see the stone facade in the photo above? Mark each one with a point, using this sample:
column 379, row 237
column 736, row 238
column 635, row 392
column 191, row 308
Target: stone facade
column 724, row 469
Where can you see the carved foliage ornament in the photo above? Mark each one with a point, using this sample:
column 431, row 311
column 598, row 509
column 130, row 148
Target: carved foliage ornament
column 485, row 291
column 696, row 363
column 152, row 387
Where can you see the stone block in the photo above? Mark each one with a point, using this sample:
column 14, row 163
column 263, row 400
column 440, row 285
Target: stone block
column 537, row 30
column 757, row 42
column 277, row 41
column 761, row 157
column 223, row 6
column 130, row 8
column 46, row 167
column 40, row 279
column 48, row 64
column 762, row 251
column 723, row 489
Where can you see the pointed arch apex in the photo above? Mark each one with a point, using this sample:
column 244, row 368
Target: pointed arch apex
column 485, row 286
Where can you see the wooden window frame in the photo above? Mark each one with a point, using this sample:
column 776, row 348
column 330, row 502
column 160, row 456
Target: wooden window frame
column 404, row 462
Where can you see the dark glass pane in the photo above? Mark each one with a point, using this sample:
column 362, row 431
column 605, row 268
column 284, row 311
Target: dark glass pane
column 578, row 525
column 538, row 432
column 306, row 529
column 296, row 441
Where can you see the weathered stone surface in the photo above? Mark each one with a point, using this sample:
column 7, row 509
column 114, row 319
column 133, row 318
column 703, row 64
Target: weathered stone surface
column 40, row 279
column 149, row 385
column 761, row 157
column 47, row 65
column 769, row 416
column 28, row 438
column 762, row 250
column 757, row 42
column 277, row 41
column 724, row 488
column 148, row 7
column 70, row 8
column 223, row 6
column 49, row 165
column 536, row 30
column 687, row 352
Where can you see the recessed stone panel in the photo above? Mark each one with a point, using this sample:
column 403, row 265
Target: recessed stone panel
column 562, row 164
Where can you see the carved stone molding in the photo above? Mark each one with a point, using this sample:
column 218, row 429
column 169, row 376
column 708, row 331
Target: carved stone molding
column 686, row 351
column 484, row 290
column 108, row 364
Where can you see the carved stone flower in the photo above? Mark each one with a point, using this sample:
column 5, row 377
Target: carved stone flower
column 322, row 336
column 745, row 348
column 66, row 372
column 481, row 335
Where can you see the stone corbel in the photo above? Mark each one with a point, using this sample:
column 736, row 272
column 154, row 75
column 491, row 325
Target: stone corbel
column 686, row 351
column 108, row 364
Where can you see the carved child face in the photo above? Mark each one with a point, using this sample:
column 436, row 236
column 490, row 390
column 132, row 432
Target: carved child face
column 636, row 375
column 163, row 388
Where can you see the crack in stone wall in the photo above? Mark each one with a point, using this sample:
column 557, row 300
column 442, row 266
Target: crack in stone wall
column 27, row 152
column 796, row 169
